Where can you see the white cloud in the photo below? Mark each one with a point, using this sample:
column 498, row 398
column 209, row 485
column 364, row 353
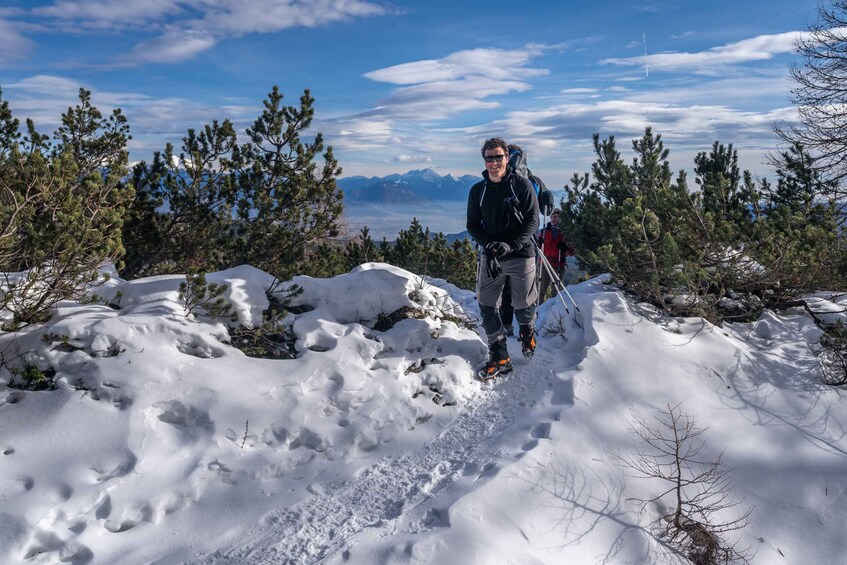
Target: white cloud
column 558, row 137
column 745, row 91
column 439, row 100
column 13, row 44
column 460, row 82
column 358, row 133
column 578, row 91
column 46, row 84
column 241, row 17
column 174, row 45
column 691, row 125
column 412, row 159
column 153, row 121
column 188, row 27
column 758, row 48
column 496, row 64
column 108, row 14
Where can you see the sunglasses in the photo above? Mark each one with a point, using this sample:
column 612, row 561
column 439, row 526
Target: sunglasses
column 493, row 158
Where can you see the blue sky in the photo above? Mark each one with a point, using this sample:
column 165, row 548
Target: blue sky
column 407, row 85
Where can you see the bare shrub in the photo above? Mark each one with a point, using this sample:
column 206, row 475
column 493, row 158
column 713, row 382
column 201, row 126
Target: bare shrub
column 703, row 509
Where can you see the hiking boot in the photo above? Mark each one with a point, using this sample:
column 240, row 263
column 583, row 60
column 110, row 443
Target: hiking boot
column 510, row 331
column 499, row 362
column 495, row 368
column 527, row 339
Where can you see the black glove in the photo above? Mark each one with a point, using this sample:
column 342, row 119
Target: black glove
column 497, row 249
column 562, row 246
column 492, row 266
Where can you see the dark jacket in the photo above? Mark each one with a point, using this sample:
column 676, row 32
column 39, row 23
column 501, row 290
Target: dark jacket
column 490, row 218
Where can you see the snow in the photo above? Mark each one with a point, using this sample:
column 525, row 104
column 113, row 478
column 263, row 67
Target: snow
column 379, row 447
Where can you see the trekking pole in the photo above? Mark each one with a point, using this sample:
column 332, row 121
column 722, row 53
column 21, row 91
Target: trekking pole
column 512, row 202
column 546, row 265
column 557, row 281
column 538, row 273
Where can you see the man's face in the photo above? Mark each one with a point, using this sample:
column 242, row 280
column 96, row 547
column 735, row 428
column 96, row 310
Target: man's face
column 554, row 217
column 495, row 163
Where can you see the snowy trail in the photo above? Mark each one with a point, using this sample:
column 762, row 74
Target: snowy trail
column 348, row 458
column 382, row 494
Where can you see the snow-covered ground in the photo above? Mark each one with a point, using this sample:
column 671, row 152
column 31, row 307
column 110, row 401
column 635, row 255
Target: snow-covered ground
column 165, row 444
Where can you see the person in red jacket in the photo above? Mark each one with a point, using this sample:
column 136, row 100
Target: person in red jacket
column 556, row 250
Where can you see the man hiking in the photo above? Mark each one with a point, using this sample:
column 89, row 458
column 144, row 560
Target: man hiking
column 502, row 219
column 556, row 250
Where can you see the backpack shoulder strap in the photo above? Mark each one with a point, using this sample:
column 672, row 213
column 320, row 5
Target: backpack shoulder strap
column 512, row 184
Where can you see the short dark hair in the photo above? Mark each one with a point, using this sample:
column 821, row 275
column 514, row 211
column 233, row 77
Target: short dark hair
column 494, row 143
column 556, row 211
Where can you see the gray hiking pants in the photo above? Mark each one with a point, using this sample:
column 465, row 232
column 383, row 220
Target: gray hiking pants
column 521, row 274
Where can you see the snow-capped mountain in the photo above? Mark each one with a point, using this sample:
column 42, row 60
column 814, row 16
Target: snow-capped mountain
column 412, row 187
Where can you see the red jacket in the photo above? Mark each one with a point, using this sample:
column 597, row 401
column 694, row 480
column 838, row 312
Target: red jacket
column 556, row 249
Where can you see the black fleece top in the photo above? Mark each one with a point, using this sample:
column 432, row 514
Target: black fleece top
column 490, row 219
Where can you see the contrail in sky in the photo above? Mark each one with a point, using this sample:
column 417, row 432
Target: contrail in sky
column 646, row 68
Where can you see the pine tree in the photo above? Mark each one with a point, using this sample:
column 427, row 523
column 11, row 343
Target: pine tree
column 686, row 251
column 285, row 202
column 144, row 230
column 800, row 234
column 801, row 186
column 611, row 175
column 650, row 170
column 420, row 252
column 361, row 250
column 15, row 199
column 324, row 259
column 219, row 203
column 412, row 249
column 62, row 206
column 461, row 265
column 584, row 219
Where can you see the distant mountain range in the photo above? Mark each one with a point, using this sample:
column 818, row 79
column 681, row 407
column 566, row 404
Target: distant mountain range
column 414, row 187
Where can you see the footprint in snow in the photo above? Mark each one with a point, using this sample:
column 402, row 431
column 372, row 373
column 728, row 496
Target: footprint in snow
column 529, row 446
column 60, row 491
column 46, row 541
column 198, row 348
column 102, row 506
column 541, row 431
column 112, row 470
column 22, row 484
column 563, row 394
column 436, row 518
column 173, row 502
column 129, row 518
column 191, row 423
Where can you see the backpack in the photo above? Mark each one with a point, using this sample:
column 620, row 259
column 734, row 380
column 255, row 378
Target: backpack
column 517, row 161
